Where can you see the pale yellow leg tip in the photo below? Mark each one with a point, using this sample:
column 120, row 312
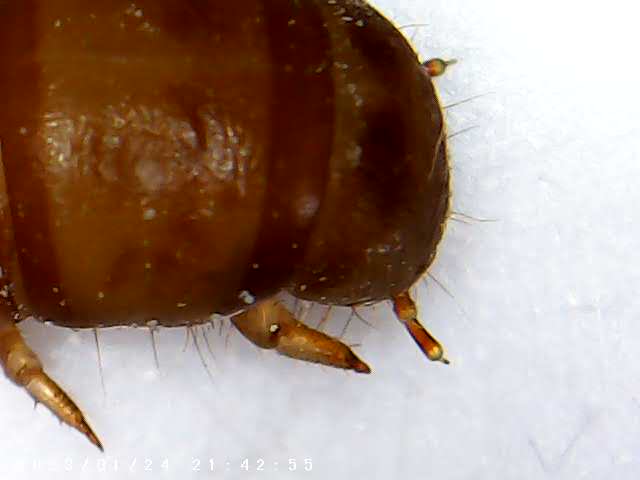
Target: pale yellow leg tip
column 405, row 310
column 436, row 354
column 437, row 66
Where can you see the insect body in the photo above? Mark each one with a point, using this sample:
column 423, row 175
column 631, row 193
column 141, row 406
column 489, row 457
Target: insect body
column 165, row 160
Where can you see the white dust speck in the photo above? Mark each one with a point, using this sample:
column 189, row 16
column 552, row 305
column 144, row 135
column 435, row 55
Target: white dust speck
column 149, row 214
column 246, row 297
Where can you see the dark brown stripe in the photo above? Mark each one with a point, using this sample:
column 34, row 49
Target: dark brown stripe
column 302, row 130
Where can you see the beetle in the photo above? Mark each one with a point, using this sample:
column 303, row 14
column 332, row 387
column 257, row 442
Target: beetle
column 166, row 160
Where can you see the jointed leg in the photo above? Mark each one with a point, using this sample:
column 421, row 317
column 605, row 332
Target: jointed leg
column 22, row 366
column 270, row 325
column 437, row 66
column 407, row 313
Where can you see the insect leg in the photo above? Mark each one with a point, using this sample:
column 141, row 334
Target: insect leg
column 270, row 325
column 406, row 311
column 22, row 366
column 437, row 66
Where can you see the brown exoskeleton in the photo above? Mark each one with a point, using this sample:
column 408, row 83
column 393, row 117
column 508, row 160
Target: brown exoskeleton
column 170, row 159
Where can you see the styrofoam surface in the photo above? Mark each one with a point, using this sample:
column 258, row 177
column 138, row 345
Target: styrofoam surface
column 542, row 329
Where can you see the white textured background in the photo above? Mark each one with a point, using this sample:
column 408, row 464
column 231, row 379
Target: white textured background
column 542, row 331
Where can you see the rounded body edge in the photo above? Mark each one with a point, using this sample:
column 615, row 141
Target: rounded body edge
column 187, row 158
